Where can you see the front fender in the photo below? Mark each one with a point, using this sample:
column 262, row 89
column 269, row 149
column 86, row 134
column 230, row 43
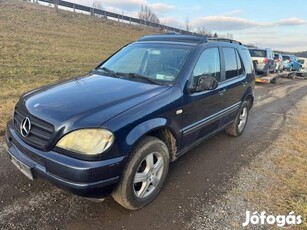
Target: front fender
column 142, row 129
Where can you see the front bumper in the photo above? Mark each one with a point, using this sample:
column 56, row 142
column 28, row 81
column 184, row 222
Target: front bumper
column 93, row 179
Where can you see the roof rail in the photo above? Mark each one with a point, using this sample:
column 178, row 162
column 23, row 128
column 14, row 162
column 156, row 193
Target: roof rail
column 224, row 40
column 175, row 38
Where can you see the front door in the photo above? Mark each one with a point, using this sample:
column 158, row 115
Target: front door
column 201, row 110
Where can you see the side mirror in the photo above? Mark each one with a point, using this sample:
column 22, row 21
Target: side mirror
column 205, row 83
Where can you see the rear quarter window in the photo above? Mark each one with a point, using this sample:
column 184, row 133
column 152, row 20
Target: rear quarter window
column 247, row 61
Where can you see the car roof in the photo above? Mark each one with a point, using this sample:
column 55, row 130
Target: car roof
column 174, row 38
column 179, row 38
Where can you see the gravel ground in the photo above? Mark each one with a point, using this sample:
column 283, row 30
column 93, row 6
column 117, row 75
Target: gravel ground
column 228, row 212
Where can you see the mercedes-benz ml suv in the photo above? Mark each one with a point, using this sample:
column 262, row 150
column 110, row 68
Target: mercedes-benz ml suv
column 115, row 130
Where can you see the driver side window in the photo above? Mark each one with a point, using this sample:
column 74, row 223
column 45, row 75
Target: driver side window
column 208, row 64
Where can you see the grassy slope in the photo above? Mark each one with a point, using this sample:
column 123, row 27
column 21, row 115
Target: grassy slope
column 38, row 47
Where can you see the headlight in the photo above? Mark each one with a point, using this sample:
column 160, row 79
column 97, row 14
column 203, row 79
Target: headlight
column 87, row 141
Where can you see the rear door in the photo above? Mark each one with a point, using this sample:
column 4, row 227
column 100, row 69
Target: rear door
column 234, row 82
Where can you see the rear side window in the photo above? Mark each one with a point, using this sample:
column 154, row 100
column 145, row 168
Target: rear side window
column 208, row 64
column 233, row 63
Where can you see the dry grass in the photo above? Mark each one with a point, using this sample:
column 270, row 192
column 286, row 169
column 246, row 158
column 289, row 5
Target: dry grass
column 38, row 47
column 284, row 188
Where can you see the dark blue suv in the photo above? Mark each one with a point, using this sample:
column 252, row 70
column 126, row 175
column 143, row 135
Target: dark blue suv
column 115, row 130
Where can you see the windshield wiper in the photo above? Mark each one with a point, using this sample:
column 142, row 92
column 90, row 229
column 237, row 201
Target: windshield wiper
column 136, row 75
column 108, row 71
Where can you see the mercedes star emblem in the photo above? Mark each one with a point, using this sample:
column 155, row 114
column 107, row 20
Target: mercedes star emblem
column 25, row 127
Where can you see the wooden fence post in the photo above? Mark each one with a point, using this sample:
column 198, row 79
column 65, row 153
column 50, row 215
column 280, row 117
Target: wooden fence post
column 92, row 12
column 56, row 7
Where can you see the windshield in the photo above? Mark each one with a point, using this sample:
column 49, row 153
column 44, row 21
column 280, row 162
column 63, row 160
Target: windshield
column 158, row 62
column 258, row 53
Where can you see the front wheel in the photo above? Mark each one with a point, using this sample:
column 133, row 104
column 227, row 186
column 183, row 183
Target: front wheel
column 238, row 126
column 144, row 174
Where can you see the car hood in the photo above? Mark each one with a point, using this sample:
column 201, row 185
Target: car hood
column 88, row 101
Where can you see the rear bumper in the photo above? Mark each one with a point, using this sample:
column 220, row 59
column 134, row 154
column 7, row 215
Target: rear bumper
column 286, row 66
column 261, row 67
column 94, row 179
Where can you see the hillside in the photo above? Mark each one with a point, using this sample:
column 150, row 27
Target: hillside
column 298, row 54
column 39, row 47
column 301, row 54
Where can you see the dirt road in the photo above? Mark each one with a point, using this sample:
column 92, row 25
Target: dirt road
column 202, row 174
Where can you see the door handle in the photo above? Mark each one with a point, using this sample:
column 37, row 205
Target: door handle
column 244, row 83
column 222, row 92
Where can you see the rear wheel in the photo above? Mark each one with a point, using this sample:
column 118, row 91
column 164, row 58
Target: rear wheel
column 144, row 174
column 291, row 68
column 275, row 80
column 238, row 126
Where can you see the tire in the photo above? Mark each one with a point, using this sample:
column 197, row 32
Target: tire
column 144, row 174
column 238, row 126
column 275, row 80
column 291, row 68
column 267, row 72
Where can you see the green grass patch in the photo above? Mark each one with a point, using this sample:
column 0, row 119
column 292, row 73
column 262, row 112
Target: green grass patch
column 38, row 47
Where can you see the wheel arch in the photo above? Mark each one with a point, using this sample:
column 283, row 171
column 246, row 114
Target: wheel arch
column 249, row 96
column 156, row 128
column 250, row 99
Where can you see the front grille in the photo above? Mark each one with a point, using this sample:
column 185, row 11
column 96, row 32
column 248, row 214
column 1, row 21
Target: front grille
column 40, row 132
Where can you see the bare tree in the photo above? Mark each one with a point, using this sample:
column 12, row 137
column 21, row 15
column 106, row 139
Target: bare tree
column 204, row 31
column 229, row 35
column 187, row 24
column 97, row 5
column 148, row 15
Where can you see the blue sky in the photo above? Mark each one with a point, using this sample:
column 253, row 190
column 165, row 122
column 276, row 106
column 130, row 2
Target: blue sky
column 281, row 25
